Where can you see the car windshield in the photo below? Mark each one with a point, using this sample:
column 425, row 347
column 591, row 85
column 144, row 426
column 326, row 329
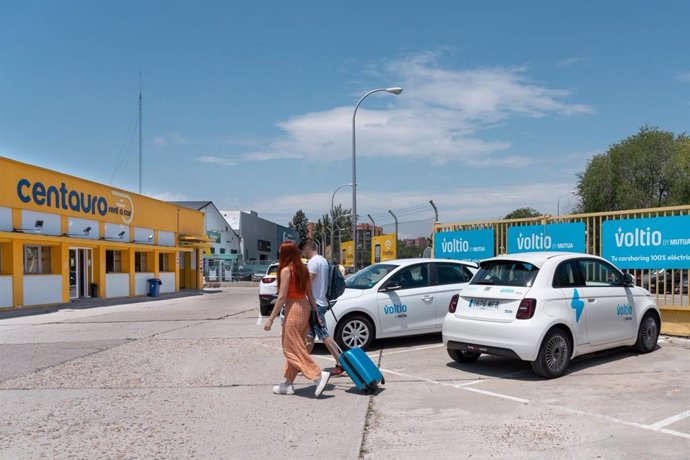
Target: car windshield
column 272, row 269
column 368, row 277
column 506, row 273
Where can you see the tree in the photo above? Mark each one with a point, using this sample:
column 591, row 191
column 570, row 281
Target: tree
column 522, row 213
column 649, row 169
column 299, row 222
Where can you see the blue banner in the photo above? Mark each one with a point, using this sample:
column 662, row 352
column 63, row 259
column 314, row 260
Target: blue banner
column 656, row 242
column 472, row 245
column 550, row 237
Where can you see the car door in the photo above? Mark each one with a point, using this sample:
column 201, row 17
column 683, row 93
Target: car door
column 568, row 280
column 404, row 302
column 608, row 306
column 447, row 279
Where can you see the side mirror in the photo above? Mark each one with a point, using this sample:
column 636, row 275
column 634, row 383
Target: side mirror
column 390, row 286
column 628, row 280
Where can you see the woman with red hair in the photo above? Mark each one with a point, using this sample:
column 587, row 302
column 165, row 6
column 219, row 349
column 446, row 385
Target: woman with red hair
column 295, row 295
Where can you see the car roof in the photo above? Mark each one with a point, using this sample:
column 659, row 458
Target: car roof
column 536, row 258
column 416, row 260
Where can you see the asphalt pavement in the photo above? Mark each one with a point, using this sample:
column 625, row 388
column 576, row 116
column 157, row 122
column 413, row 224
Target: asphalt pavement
column 191, row 377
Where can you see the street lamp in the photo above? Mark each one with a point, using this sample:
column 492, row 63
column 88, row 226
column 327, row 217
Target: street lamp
column 558, row 203
column 333, row 213
column 395, row 90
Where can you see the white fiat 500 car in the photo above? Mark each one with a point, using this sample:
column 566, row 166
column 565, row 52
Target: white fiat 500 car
column 396, row 298
column 547, row 308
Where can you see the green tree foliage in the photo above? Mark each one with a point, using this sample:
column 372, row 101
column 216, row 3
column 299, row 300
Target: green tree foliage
column 649, row 169
column 522, row 213
column 299, row 222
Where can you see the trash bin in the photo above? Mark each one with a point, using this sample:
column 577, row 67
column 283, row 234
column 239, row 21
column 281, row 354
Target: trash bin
column 154, row 287
column 93, row 292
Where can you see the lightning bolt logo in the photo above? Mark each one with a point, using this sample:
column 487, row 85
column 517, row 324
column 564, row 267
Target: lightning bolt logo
column 577, row 305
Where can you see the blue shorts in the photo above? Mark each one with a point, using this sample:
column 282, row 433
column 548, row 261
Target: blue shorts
column 321, row 332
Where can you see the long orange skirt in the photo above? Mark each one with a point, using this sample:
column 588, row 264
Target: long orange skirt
column 294, row 348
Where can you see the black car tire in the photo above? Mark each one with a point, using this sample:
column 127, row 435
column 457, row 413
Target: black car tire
column 463, row 356
column 647, row 334
column 554, row 355
column 354, row 331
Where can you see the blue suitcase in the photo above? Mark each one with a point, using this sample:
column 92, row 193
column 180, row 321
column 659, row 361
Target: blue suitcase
column 361, row 369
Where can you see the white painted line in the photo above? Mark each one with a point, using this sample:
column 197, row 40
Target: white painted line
column 385, row 353
column 497, row 395
column 671, row 420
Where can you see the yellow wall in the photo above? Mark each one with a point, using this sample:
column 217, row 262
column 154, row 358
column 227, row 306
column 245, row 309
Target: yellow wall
column 27, row 187
column 388, row 247
column 348, row 248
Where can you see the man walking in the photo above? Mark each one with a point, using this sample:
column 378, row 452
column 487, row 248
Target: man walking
column 319, row 272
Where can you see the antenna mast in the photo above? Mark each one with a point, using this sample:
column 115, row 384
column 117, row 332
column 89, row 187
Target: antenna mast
column 140, row 150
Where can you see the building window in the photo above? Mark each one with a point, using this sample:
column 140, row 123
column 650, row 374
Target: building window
column 264, row 246
column 113, row 261
column 37, row 259
column 213, row 250
column 222, row 250
column 164, row 263
column 141, row 262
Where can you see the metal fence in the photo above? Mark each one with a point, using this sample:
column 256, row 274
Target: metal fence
column 670, row 286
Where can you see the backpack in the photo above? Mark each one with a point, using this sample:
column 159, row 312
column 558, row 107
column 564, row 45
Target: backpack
column 336, row 282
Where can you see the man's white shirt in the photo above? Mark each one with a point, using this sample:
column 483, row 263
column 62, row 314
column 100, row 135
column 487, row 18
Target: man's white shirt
column 318, row 266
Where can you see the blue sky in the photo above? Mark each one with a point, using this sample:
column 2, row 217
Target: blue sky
column 249, row 104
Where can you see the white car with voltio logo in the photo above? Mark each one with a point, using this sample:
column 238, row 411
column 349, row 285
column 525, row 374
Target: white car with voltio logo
column 546, row 308
column 396, row 298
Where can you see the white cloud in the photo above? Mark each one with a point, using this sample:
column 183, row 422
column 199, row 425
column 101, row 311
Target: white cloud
column 569, row 62
column 684, row 77
column 171, row 138
column 440, row 116
column 214, row 160
column 460, row 204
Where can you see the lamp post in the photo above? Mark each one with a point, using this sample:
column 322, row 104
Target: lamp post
column 333, row 213
column 395, row 90
column 558, row 203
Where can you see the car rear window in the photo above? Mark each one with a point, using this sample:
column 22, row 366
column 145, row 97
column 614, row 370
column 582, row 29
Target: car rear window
column 506, row 273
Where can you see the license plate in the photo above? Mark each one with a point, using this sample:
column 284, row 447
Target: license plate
column 483, row 304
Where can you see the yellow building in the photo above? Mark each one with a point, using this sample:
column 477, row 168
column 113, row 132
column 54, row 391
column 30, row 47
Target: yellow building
column 65, row 238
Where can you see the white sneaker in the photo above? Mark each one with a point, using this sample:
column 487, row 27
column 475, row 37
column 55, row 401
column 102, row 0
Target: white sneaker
column 321, row 383
column 284, row 389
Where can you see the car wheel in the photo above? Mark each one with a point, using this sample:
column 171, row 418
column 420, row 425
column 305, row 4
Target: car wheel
column 354, row 332
column 648, row 334
column 554, row 355
column 463, row 356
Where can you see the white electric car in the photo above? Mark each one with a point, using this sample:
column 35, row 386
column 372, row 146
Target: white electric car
column 396, row 298
column 547, row 308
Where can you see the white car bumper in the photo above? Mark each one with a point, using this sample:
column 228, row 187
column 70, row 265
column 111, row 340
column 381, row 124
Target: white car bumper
column 517, row 338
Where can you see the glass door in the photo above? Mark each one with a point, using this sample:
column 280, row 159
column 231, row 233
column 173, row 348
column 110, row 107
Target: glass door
column 80, row 272
column 73, row 274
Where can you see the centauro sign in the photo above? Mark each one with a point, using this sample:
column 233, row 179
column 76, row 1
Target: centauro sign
column 32, row 188
column 60, row 197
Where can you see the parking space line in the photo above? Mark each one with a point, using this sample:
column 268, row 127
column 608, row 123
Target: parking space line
column 497, row 395
column 657, row 427
column 671, row 420
column 385, row 353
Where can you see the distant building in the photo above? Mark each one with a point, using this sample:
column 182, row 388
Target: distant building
column 221, row 257
column 259, row 239
column 364, row 235
column 419, row 242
